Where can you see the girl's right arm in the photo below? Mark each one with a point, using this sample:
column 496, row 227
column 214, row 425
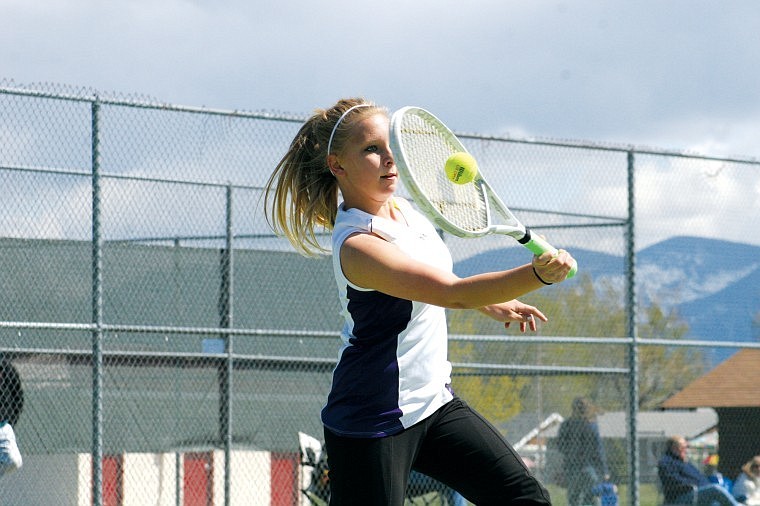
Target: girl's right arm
column 371, row 262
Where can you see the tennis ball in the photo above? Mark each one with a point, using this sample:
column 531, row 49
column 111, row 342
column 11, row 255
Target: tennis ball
column 461, row 168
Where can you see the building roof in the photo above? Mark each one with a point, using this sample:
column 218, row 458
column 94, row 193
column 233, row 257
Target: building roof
column 732, row 384
column 689, row 423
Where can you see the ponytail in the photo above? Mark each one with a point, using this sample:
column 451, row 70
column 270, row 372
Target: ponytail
column 301, row 195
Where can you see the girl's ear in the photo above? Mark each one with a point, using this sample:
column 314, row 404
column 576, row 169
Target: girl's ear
column 334, row 165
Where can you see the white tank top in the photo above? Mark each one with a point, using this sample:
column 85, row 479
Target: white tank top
column 392, row 369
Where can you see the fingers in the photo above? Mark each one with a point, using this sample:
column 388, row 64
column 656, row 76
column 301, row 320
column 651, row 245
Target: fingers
column 531, row 323
column 515, row 311
column 544, row 258
column 537, row 314
column 527, row 320
column 553, row 268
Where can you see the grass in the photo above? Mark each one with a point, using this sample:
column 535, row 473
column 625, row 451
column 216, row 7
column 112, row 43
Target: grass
column 648, row 495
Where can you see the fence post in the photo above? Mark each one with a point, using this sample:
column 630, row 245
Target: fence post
column 225, row 321
column 97, row 314
column 633, row 352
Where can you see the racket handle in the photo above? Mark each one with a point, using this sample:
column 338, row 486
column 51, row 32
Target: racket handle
column 538, row 245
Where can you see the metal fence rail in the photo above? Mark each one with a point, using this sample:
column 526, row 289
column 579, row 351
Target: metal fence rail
column 171, row 349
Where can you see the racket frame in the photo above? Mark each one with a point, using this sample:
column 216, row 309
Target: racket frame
column 513, row 227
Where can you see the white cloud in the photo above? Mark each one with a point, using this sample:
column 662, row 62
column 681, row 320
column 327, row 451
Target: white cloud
column 583, row 70
column 708, row 199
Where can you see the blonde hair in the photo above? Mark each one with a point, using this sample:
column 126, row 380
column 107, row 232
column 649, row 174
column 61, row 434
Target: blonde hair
column 301, row 195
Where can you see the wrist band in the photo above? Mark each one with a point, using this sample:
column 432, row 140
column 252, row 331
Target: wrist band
column 539, row 277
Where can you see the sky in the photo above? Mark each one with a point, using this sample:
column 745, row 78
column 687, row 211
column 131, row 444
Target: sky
column 674, row 75
column 680, row 75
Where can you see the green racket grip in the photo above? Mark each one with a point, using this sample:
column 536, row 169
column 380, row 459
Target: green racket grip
column 538, row 246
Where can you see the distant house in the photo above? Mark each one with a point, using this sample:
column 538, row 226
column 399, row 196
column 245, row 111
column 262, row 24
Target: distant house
column 733, row 390
column 161, row 433
column 527, row 437
column 654, row 427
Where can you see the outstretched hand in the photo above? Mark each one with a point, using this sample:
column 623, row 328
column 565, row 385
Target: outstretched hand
column 515, row 311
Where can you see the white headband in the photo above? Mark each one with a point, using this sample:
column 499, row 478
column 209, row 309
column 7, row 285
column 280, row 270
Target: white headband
column 342, row 117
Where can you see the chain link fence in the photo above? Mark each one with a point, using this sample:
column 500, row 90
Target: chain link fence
column 172, row 351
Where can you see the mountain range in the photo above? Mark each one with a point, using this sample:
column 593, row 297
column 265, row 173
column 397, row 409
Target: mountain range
column 713, row 285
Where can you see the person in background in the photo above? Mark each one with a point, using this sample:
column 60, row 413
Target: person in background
column 680, row 479
column 11, row 405
column 584, row 459
column 607, row 492
column 747, row 485
column 391, row 407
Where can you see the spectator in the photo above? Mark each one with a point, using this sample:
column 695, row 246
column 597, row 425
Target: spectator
column 681, row 479
column 584, row 460
column 607, row 492
column 747, row 485
column 11, row 404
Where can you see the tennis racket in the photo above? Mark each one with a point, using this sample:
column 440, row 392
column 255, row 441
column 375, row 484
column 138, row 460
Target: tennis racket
column 422, row 144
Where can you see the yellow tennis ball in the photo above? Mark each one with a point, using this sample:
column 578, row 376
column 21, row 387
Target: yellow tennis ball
column 461, row 168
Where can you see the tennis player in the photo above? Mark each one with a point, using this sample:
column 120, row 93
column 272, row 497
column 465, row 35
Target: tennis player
column 391, row 407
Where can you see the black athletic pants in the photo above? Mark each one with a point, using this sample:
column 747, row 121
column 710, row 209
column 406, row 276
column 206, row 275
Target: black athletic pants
column 456, row 446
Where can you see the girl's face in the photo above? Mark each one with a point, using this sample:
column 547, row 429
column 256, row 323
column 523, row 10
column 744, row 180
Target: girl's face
column 365, row 167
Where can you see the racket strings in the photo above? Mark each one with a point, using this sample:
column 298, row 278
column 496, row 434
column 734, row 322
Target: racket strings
column 427, row 148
